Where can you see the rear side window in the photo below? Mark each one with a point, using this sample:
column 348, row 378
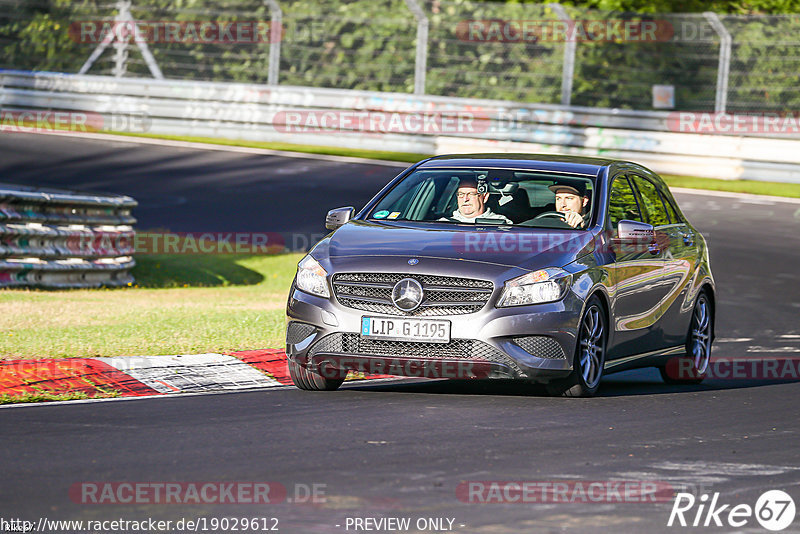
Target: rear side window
column 622, row 203
column 653, row 203
column 673, row 213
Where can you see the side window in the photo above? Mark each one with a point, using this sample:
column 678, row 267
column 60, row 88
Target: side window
column 673, row 213
column 447, row 198
column 653, row 205
column 622, row 203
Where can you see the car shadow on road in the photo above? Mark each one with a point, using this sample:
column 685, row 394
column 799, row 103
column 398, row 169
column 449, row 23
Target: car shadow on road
column 195, row 270
column 628, row 383
column 648, row 382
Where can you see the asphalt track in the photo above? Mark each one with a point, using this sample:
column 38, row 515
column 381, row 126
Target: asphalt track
column 185, row 190
column 401, row 449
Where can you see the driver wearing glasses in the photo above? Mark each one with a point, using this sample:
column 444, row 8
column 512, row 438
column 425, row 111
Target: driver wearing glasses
column 472, row 205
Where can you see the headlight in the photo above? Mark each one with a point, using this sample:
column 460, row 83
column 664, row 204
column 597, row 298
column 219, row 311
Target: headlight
column 311, row 277
column 545, row 285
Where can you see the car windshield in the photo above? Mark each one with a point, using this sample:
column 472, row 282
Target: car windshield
column 490, row 196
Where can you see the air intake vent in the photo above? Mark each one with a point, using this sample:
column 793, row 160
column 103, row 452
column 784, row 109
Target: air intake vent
column 541, row 347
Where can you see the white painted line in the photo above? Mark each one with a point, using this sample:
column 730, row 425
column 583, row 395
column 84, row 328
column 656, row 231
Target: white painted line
column 266, row 389
column 773, row 349
column 140, row 397
column 726, row 468
column 678, row 480
column 732, row 339
column 789, row 336
column 192, row 372
column 227, row 148
column 745, row 197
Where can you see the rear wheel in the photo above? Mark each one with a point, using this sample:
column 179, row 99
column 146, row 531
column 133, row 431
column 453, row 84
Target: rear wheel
column 590, row 355
column 692, row 368
column 326, row 379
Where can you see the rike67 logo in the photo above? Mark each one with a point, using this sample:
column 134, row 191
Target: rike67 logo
column 774, row 510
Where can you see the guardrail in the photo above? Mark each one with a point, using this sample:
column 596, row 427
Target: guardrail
column 264, row 113
column 61, row 239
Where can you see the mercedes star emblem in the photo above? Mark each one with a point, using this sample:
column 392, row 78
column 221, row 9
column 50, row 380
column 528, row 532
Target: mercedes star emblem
column 407, row 294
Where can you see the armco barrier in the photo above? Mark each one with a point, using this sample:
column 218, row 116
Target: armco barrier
column 62, row 239
column 259, row 112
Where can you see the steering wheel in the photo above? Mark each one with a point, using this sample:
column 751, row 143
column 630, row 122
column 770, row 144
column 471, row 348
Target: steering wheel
column 560, row 220
column 551, row 214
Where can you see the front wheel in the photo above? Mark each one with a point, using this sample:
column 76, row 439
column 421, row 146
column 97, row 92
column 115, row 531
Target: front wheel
column 327, row 379
column 590, row 355
column 693, row 368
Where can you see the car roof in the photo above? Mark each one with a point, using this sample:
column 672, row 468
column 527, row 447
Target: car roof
column 541, row 162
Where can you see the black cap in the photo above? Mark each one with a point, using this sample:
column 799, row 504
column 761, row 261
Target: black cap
column 575, row 188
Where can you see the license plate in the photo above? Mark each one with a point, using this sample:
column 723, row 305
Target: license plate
column 401, row 329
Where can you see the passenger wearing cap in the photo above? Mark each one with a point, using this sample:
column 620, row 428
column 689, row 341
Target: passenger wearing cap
column 472, row 205
column 571, row 200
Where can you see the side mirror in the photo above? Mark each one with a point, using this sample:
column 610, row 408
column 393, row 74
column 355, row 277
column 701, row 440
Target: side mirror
column 635, row 231
column 338, row 217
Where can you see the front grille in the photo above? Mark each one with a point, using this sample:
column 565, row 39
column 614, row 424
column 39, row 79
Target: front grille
column 541, row 347
column 460, row 349
column 444, row 295
column 297, row 332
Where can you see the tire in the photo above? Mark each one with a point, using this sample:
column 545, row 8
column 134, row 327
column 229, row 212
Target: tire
column 590, row 355
column 698, row 347
column 312, row 380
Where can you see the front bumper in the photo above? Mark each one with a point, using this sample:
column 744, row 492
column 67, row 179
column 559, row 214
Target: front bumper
column 527, row 342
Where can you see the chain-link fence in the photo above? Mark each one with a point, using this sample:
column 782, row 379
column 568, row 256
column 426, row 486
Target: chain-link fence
column 473, row 52
column 537, row 53
column 765, row 63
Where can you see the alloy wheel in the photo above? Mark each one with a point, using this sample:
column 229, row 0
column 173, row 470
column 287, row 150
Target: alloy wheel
column 592, row 346
column 701, row 335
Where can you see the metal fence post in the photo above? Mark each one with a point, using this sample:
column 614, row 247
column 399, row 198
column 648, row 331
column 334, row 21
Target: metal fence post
column 275, row 38
column 421, row 60
column 723, row 71
column 121, row 45
column 568, row 71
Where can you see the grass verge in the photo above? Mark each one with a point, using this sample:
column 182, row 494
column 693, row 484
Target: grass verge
column 46, row 396
column 180, row 305
column 776, row 189
column 779, row 189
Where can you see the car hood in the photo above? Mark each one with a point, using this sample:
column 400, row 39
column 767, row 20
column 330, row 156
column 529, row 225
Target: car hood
column 525, row 248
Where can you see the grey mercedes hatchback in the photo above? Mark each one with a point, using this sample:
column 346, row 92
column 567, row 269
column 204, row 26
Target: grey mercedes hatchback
column 544, row 268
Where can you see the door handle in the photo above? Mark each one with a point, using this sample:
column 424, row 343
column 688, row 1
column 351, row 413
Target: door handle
column 654, row 249
column 688, row 239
